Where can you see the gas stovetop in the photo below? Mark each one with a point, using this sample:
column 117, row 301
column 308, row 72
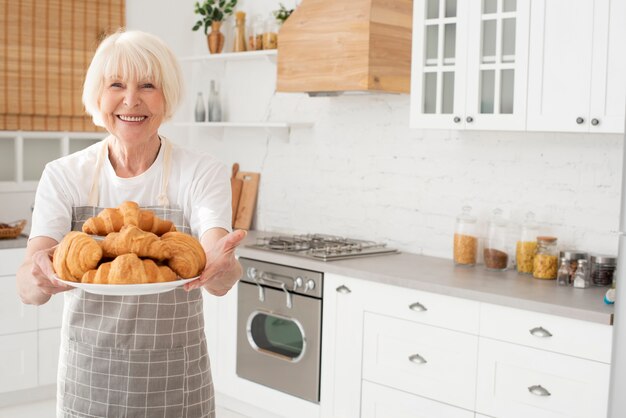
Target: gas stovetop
column 321, row 247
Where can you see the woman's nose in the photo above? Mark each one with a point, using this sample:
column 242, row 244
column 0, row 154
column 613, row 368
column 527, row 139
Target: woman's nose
column 131, row 97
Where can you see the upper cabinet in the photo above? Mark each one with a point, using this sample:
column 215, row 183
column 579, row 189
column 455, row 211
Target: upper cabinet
column 469, row 64
column 577, row 66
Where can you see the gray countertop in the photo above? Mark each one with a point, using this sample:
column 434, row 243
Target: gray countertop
column 19, row 242
column 439, row 275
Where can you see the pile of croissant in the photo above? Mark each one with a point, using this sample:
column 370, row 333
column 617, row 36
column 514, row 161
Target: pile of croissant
column 138, row 248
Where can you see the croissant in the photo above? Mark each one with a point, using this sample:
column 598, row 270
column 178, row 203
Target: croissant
column 76, row 254
column 128, row 213
column 129, row 269
column 131, row 239
column 187, row 255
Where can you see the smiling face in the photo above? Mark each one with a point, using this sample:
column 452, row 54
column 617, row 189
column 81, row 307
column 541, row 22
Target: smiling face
column 131, row 110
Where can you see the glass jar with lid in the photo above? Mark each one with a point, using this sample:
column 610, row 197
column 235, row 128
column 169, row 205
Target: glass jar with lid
column 546, row 260
column 527, row 245
column 602, row 269
column 572, row 257
column 465, row 246
column 270, row 34
column 494, row 253
column 581, row 277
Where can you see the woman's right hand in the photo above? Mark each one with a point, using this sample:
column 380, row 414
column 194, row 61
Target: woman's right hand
column 35, row 277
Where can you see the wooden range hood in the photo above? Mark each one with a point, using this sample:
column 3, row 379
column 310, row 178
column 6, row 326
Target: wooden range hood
column 328, row 47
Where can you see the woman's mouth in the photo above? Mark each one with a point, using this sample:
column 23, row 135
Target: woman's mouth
column 127, row 118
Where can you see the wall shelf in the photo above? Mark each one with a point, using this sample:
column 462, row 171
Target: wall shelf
column 270, row 54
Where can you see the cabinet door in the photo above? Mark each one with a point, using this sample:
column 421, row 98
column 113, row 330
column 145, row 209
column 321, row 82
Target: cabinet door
column 383, row 402
column 497, row 61
column 515, row 381
column 49, row 344
column 18, row 361
column 560, row 60
column 438, row 64
column 14, row 315
column 50, row 314
column 608, row 80
column 342, row 333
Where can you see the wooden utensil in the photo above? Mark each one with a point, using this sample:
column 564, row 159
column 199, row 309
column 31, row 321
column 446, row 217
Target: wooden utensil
column 235, row 184
column 247, row 201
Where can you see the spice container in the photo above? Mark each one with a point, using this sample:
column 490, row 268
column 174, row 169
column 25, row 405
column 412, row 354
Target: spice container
column 602, row 269
column 563, row 274
column 581, row 277
column 545, row 263
column 270, row 35
column 572, row 257
column 527, row 245
column 255, row 35
column 465, row 240
column 494, row 253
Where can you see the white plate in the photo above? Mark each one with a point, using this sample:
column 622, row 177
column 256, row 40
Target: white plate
column 128, row 289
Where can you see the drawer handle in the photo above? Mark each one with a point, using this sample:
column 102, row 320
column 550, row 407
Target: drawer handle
column 540, row 332
column 538, row 390
column 417, row 359
column 344, row 290
column 417, row 307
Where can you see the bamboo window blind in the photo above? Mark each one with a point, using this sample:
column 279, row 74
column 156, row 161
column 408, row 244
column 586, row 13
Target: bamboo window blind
column 45, row 49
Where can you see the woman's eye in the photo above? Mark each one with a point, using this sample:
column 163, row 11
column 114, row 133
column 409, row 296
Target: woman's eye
column 148, row 86
column 116, row 85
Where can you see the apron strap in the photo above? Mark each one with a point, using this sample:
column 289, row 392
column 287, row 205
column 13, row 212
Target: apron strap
column 162, row 199
column 94, row 193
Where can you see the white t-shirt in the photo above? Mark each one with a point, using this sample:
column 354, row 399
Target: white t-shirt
column 198, row 184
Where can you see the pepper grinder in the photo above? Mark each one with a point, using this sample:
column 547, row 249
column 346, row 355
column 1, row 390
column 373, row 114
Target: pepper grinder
column 215, row 107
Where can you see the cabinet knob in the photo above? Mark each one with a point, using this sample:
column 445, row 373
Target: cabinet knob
column 540, row 332
column 595, row 122
column 579, row 120
column 539, row 390
column 469, row 119
column 344, row 290
column 417, row 307
column 417, row 359
column 456, row 119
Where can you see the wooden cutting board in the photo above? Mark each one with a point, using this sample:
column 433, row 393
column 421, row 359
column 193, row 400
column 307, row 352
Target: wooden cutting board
column 247, row 199
column 235, row 185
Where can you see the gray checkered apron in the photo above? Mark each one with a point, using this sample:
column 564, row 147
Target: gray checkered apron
column 134, row 356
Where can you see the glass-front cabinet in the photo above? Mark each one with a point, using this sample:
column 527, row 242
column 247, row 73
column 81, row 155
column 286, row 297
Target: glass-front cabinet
column 469, row 64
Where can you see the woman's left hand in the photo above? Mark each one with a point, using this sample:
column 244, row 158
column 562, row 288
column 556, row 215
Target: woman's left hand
column 222, row 268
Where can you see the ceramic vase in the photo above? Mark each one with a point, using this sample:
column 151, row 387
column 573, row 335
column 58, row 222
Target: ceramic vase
column 215, row 38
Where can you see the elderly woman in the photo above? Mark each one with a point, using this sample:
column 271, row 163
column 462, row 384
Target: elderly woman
column 133, row 355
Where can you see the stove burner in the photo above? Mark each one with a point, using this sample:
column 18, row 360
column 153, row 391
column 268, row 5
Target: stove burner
column 320, row 246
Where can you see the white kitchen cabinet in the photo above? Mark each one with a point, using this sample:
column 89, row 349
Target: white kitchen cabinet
column 14, row 315
column 48, row 345
column 383, row 402
column 516, row 381
column 577, row 64
column 469, row 64
column 18, row 364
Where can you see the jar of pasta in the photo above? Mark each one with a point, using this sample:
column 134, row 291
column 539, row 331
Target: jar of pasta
column 546, row 261
column 495, row 253
column 465, row 239
column 526, row 245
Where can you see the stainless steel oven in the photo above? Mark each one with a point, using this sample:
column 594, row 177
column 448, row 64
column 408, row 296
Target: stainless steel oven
column 279, row 324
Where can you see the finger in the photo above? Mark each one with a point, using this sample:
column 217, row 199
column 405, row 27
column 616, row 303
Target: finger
column 232, row 240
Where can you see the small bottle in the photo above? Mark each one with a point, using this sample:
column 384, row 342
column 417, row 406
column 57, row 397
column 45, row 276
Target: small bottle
column 527, row 245
column 240, row 32
column 465, row 246
column 563, row 274
column 200, row 112
column 545, row 263
column 494, row 253
column 581, row 278
column 215, row 106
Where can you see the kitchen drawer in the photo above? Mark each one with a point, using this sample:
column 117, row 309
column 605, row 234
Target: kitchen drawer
column 10, row 260
column 383, row 402
column 424, row 307
column 568, row 336
column 49, row 344
column 18, row 361
column 14, row 315
column 445, row 370
column 577, row 388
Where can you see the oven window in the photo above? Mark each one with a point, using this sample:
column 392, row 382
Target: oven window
column 279, row 335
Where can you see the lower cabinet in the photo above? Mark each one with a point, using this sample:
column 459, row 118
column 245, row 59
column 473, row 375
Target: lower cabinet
column 382, row 402
column 18, row 361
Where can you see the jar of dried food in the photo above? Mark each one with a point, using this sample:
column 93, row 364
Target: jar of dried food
column 270, row 35
column 602, row 269
column 527, row 245
column 255, row 34
column 494, row 253
column 465, row 239
column 546, row 261
column 572, row 257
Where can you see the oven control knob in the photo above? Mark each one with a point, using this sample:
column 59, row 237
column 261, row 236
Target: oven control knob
column 297, row 283
column 251, row 273
column 309, row 285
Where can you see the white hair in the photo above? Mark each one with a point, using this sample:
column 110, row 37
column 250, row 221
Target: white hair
column 136, row 56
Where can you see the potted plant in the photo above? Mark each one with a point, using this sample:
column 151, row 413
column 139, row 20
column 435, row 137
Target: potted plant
column 282, row 13
column 212, row 13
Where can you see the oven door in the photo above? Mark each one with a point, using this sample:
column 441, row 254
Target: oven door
column 277, row 346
